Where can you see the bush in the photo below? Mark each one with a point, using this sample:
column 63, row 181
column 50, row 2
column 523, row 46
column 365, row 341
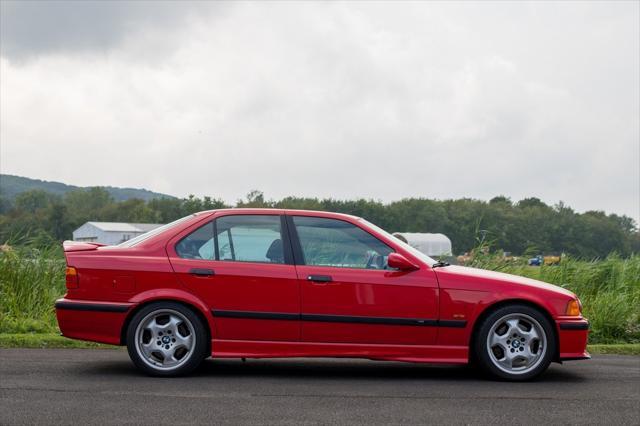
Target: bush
column 30, row 282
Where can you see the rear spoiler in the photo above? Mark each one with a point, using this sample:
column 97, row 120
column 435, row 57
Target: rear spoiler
column 80, row 246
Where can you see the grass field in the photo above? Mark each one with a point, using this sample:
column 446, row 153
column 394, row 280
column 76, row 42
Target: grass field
column 31, row 280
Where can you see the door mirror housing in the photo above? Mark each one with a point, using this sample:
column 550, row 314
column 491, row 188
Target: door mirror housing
column 398, row 261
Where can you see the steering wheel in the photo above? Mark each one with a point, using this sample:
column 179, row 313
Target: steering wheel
column 371, row 258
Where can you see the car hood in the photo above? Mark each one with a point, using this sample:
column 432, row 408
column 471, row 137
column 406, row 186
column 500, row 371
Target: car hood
column 454, row 273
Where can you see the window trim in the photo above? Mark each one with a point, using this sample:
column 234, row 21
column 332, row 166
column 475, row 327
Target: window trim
column 299, row 254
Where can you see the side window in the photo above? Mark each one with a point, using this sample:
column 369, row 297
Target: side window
column 249, row 238
column 198, row 244
column 331, row 242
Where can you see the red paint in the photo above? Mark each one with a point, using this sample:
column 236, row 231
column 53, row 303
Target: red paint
column 152, row 271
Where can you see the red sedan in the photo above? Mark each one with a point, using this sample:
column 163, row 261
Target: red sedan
column 258, row 283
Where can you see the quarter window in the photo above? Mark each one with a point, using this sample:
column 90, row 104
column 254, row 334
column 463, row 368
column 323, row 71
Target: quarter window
column 198, row 244
column 331, row 242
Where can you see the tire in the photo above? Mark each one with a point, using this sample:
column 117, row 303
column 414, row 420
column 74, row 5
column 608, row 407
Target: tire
column 166, row 339
column 515, row 342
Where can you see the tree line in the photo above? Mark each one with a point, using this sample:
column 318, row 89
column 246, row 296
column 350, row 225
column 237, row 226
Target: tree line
column 528, row 226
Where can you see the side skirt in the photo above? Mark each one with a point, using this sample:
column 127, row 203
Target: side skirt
column 271, row 349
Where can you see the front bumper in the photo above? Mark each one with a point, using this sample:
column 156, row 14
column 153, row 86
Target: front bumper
column 573, row 335
column 90, row 320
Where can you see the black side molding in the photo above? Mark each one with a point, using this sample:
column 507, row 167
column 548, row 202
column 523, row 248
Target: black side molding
column 255, row 315
column 368, row 320
column 574, row 325
column 95, row 307
column 452, row 323
column 339, row 318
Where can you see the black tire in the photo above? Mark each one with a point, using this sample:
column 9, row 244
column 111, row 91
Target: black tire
column 486, row 357
column 188, row 322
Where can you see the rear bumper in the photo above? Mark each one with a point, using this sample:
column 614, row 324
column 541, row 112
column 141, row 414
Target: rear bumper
column 89, row 320
column 573, row 335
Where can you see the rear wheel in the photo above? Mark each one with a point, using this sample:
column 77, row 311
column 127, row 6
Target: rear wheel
column 166, row 339
column 515, row 342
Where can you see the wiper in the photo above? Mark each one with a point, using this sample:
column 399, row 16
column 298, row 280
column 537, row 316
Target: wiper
column 440, row 264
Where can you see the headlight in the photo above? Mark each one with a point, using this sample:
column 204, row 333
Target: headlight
column 574, row 308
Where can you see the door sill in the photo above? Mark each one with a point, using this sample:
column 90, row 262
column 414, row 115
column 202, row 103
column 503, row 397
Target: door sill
column 223, row 348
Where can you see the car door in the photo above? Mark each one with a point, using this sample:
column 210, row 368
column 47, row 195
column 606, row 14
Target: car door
column 241, row 266
column 348, row 293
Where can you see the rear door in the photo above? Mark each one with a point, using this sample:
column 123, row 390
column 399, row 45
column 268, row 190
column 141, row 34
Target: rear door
column 241, row 266
column 348, row 294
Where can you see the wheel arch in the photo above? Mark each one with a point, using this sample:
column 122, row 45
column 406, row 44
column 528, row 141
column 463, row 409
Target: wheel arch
column 489, row 309
column 196, row 310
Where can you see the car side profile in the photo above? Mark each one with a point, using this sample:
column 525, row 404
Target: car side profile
column 267, row 283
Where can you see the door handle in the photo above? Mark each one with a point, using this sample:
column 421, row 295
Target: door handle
column 201, row 272
column 320, row 278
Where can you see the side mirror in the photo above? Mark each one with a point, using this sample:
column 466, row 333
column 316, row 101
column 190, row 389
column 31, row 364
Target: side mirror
column 398, row 261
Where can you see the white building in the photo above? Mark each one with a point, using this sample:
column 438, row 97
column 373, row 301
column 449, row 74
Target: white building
column 111, row 233
column 430, row 244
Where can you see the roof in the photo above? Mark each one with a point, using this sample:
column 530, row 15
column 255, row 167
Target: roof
column 125, row 227
column 259, row 210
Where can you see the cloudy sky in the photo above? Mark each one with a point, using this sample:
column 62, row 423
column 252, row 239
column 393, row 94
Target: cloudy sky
column 375, row 100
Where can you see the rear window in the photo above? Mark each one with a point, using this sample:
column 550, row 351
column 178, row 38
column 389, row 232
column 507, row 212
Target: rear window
column 140, row 238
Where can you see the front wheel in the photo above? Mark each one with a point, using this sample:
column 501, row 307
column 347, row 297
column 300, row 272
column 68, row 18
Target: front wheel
column 166, row 339
column 515, row 342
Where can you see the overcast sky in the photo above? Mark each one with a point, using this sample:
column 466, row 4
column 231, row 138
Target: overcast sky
column 376, row 100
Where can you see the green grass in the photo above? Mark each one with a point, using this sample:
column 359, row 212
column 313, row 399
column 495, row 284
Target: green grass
column 617, row 349
column 47, row 340
column 31, row 279
column 30, row 282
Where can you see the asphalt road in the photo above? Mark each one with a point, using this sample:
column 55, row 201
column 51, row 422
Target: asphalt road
column 102, row 387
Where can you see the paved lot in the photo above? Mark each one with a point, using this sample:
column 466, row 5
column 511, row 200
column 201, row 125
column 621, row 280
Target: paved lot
column 102, row 387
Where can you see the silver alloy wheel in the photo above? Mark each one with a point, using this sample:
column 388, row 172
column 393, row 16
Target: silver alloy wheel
column 165, row 339
column 516, row 343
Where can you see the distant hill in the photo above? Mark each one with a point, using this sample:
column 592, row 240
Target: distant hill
column 11, row 185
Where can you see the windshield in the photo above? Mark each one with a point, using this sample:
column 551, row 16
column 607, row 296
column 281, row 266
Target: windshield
column 417, row 253
column 134, row 241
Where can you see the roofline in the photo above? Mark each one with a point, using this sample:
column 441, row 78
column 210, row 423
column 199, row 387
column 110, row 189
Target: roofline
column 257, row 210
column 145, row 223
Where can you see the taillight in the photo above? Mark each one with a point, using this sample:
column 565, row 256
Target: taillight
column 71, row 277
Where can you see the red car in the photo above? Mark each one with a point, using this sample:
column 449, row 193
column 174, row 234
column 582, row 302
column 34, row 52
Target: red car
column 261, row 283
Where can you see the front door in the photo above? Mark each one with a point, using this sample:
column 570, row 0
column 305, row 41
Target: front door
column 348, row 293
column 241, row 267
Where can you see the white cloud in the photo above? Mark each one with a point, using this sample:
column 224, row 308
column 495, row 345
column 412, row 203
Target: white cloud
column 340, row 99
